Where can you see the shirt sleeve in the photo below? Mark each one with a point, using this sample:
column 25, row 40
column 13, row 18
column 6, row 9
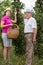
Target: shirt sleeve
column 24, row 21
column 3, row 19
column 34, row 23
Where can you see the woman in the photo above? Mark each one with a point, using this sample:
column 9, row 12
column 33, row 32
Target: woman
column 6, row 23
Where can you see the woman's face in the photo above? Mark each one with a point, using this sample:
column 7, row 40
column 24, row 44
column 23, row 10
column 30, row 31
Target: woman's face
column 8, row 13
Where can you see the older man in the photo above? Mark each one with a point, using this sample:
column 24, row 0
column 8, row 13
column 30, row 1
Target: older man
column 30, row 31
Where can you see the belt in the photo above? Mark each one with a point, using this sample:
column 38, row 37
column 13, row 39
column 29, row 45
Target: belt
column 29, row 33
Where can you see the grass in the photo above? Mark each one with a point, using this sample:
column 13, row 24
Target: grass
column 18, row 60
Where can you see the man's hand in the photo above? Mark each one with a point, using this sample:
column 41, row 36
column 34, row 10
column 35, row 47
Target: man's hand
column 34, row 40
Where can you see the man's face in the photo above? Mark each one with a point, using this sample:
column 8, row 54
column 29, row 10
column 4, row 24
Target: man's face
column 28, row 15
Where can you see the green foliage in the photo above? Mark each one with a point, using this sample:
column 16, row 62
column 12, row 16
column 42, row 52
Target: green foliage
column 39, row 17
column 19, row 43
column 18, row 60
column 18, row 5
column 3, row 5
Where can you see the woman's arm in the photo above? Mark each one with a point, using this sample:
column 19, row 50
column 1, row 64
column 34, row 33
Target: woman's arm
column 15, row 18
column 2, row 24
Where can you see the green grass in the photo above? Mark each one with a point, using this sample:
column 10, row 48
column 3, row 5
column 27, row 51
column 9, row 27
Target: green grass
column 19, row 60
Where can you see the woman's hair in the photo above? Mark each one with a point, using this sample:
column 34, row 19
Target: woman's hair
column 4, row 13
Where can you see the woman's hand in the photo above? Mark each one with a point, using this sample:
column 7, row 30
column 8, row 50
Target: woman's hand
column 10, row 24
column 15, row 12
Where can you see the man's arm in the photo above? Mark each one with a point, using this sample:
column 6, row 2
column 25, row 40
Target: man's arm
column 34, row 35
column 34, row 26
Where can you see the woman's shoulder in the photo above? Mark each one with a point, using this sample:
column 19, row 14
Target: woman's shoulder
column 3, row 17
